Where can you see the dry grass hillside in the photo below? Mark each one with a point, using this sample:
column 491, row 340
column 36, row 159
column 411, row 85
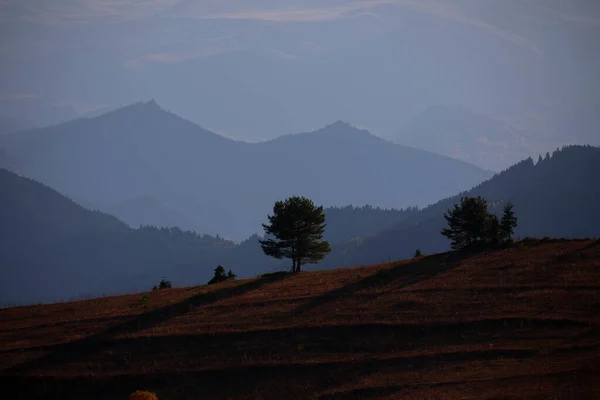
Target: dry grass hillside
column 516, row 323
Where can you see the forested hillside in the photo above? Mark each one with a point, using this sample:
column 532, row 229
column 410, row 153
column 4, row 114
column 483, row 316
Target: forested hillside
column 349, row 222
column 557, row 196
column 52, row 248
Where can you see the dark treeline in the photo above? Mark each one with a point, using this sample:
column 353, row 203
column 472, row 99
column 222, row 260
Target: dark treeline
column 558, row 196
column 472, row 226
column 52, row 248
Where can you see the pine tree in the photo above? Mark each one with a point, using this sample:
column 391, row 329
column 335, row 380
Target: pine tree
column 508, row 223
column 467, row 222
column 219, row 276
column 297, row 226
column 492, row 230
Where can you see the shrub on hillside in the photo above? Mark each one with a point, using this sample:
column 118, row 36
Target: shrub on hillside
column 221, row 276
column 418, row 253
column 142, row 395
column 164, row 284
column 144, row 300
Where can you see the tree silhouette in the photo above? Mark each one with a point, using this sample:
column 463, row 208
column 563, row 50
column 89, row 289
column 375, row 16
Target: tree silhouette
column 468, row 223
column 221, row 276
column 164, row 284
column 297, row 226
column 508, row 223
column 492, row 230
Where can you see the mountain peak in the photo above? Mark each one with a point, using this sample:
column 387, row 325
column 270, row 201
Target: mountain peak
column 338, row 125
column 341, row 123
column 153, row 103
column 341, row 128
column 150, row 105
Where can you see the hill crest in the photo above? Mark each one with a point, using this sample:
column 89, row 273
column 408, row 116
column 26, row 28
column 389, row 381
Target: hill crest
column 520, row 320
column 556, row 197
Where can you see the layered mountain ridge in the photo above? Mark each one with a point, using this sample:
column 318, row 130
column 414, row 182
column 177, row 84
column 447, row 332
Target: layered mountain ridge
column 226, row 186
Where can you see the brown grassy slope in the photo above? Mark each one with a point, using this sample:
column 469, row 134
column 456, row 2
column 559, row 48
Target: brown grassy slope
column 516, row 323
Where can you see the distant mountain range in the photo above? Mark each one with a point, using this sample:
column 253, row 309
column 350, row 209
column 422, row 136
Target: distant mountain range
column 54, row 249
column 221, row 185
column 558, row 197
column 459, row 133
column 7, row 162
column 13, row 124
column 257, row 69
column 147, row 211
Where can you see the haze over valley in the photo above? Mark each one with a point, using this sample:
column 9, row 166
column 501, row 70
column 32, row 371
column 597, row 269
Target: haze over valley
column 219, row 185
column 300, row 199
column 405, row 107
column 257, row 71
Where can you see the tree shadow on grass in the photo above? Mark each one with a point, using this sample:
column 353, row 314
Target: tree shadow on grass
column 80, row 349
column 408, row 274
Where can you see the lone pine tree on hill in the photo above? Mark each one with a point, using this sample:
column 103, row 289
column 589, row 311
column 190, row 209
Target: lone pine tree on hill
column 297, row 226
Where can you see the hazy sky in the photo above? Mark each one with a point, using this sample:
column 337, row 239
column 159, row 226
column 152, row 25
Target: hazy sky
column 261, row 69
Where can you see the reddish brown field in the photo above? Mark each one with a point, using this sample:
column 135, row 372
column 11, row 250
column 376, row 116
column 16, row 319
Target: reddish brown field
column 516, row 323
